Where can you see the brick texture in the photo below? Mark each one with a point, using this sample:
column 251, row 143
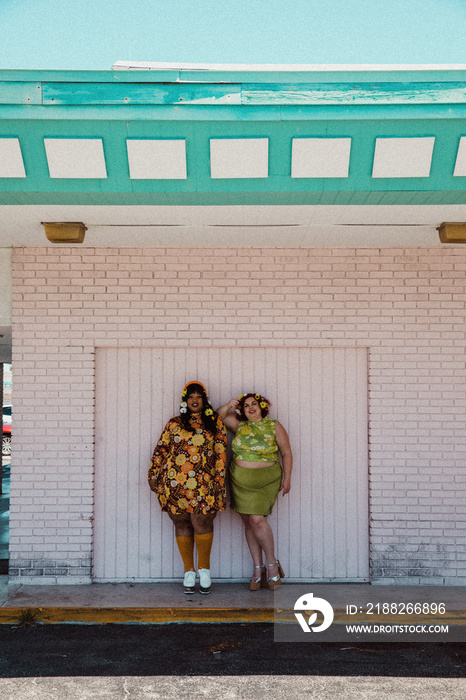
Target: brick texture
column 406, row 305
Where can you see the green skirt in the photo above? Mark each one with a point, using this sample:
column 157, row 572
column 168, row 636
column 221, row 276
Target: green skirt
column 254, row 491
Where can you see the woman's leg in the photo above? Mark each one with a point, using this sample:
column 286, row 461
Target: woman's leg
column 264, row 536
column 203, row 527
column 202, row 524
column 182, row 523
column 184, row 534
column 253, row 544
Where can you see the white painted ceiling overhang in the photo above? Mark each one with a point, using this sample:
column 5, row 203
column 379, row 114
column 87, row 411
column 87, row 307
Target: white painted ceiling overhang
column 176, row 155
column 243, row 226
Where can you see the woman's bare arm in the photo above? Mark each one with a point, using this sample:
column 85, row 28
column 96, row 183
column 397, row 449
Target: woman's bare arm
column 229, row 418
column 284, row 446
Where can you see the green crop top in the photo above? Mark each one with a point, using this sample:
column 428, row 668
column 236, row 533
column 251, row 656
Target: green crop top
column 256, row 441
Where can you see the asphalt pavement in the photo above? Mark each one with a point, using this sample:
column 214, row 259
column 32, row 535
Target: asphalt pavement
column 225, row 661
column 212, row 650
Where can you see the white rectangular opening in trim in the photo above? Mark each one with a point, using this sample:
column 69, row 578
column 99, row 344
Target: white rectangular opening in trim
column 318, row 394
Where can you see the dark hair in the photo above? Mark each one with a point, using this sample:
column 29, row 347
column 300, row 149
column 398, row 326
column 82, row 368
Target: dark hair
column 259, row 398
column 210, row 421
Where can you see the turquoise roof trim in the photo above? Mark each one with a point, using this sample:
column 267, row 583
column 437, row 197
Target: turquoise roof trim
column 104, row 93
column 198, row 106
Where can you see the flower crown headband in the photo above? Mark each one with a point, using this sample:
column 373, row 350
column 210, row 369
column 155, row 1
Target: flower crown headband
column 262, row 402
column 185, row 390
column 184, row 394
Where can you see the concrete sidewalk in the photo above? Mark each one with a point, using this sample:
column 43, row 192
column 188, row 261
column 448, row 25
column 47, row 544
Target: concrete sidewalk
column 166, row 602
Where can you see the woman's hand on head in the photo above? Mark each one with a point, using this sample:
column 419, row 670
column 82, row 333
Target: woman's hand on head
column 228, row 415
column 232, row 404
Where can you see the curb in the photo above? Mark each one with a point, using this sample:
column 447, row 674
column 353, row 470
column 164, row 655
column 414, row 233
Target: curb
column 94, row 615
column 143, row 615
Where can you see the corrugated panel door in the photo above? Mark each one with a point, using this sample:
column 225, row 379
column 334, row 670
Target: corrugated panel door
column 319, row 395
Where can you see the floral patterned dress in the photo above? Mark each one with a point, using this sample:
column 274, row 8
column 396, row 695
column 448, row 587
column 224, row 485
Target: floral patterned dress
column 187, row 465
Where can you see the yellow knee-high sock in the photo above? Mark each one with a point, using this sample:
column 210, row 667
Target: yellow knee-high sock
column 204, row 545
column 186, row 549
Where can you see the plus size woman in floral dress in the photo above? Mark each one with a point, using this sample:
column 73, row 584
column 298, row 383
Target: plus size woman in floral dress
column 187, row 472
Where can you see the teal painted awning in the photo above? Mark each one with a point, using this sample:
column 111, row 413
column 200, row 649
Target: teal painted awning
column 173, row 137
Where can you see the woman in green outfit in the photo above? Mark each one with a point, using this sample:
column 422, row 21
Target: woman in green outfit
column 256, row 478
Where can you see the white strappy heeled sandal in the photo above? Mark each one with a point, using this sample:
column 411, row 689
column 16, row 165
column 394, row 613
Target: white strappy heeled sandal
column 274, row 581
column 256, row 583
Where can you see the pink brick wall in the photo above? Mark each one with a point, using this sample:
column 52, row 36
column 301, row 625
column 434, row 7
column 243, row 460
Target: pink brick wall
column 406, row 305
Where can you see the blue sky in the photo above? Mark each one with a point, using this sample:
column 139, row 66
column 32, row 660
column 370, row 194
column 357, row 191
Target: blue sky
column 93, row 34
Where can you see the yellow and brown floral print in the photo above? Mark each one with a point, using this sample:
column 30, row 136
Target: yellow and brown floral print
column 190, row 468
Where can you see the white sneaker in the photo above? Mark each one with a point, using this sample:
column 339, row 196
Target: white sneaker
column 204, row 581
column 189, row 581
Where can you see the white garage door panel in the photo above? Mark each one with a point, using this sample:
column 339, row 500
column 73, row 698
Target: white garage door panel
column 320, row 396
